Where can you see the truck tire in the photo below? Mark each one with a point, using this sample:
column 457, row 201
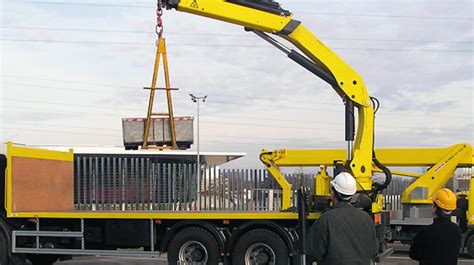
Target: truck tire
column 3, row 249
column 470, row 245
column 193, row 245
column 43, row 259
column 260, row 246
column 7, row 258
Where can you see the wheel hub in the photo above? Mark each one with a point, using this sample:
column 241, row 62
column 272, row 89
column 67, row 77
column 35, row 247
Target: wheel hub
column 260, row 254
column 196, row 255
column 262, row 258
column 193, row 252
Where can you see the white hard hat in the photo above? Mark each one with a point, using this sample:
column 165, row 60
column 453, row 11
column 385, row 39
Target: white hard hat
column 345, row 184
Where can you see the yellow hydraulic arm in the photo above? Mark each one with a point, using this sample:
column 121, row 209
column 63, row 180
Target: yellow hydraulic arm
column 442, row 162
column 265, row 16
column 424, row 188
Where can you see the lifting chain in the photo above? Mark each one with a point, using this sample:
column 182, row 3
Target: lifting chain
column 159, row 21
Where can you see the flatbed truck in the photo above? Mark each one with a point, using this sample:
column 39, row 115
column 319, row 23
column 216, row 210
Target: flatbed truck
column 47, row 215
column 60, row 204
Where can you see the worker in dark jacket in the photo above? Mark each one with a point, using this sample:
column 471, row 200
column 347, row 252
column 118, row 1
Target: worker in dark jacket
column 439, row 243
column 345, row 234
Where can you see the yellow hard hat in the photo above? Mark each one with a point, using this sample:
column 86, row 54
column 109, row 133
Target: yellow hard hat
column 445, row 199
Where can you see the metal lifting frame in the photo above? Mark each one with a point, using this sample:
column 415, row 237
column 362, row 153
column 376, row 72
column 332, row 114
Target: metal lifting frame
column 160, row 51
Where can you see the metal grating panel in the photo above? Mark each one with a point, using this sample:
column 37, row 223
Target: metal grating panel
column 141, row 183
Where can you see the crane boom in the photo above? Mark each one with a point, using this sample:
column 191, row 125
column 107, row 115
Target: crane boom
column 267, row 17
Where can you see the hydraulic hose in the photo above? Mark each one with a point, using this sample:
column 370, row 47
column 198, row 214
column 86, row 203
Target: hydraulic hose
column 388, row 177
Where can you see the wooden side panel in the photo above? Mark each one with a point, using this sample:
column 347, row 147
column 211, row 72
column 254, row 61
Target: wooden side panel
column 40, row 185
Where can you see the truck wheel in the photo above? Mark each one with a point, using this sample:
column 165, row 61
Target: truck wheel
column 193, row 246
column 44, row 259
column 14, row 259
column 470, row 246
column 3, row 249
column 260, row 246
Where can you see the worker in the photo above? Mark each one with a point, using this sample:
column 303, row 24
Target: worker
column 344, row 234
column 439, row 242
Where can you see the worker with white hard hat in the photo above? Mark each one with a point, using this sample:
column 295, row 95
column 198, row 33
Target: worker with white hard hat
column 344, row 234
column 439, row 243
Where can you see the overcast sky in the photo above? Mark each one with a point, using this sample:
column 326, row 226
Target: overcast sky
column 72, row 69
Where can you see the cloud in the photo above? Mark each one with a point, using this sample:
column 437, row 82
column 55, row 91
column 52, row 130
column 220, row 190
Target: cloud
column 426, row 95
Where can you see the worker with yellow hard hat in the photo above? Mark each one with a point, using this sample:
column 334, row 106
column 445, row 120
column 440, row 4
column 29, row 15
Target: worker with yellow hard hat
column 439, row 243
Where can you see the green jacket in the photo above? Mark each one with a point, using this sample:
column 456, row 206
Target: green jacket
column 343, row 235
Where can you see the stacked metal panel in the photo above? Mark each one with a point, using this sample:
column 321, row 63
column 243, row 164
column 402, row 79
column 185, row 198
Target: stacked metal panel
column 146, row 183
column 124, row 183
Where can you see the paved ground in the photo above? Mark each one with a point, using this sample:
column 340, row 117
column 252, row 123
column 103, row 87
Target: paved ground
column 114, row 261
column 398, row 258
column 401, row 258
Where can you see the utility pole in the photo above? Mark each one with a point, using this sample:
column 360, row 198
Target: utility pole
column 197, row 100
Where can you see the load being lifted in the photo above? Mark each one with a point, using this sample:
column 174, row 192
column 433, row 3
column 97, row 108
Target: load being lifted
column 159, row 130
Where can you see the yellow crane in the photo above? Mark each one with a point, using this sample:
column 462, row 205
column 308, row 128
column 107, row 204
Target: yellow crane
column 415, row 199
column 268, row 17
column 441, row 162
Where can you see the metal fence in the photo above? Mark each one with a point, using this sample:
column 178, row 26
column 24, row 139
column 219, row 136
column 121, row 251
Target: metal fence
column 124, row 183
column 392, row 195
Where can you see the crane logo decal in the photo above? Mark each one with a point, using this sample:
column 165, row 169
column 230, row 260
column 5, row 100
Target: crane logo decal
column 194, row 4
